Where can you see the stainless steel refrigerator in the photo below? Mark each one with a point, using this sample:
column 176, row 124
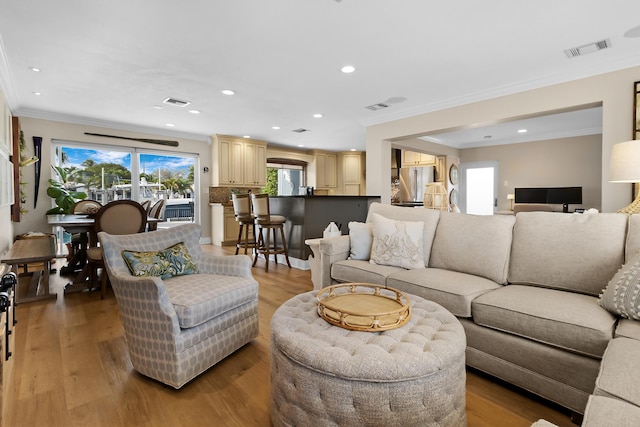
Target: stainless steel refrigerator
column 413, row 182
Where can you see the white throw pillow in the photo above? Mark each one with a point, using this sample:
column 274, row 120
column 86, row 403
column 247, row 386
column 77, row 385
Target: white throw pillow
column 361, row 239
column 397, row 243
column 622, row 294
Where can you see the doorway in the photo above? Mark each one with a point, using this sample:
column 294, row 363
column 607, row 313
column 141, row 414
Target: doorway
column 479, row 187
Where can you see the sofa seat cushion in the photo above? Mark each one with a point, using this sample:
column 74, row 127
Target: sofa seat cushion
column 619, row 375
column 452, row 290
column 628, row 328
column 198, row 298
column 603, row 411
column 362, row 271
column 567, row 320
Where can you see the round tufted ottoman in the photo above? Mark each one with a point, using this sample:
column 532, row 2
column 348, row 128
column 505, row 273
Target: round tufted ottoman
column 324, row 375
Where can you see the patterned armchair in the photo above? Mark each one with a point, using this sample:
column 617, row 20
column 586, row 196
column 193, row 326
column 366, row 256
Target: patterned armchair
column 178, row 327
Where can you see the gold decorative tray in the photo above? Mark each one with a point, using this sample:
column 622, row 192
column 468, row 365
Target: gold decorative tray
column 364, row 307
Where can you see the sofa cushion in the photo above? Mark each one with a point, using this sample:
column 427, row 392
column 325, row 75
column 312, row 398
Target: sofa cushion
column 428, row 216
column 473, row 244
column 619, row 375
column 360, row 240
column 603, row 411
column 198, row 298
column 358, row 271
column 397, row 243
column 567, row 320
column 628, row 329
column 578, row 253
column 452, row 290
column 622, row 294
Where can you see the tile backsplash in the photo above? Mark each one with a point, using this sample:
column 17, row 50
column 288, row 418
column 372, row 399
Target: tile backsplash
column 223, row 194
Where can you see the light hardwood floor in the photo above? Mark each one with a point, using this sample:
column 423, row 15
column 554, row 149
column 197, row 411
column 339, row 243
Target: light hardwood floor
column 71, row 368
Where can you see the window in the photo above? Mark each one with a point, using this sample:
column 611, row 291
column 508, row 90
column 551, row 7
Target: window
column 285, row 179
column 108, row 173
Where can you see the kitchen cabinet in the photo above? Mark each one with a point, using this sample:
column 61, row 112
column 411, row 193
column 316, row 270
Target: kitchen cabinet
column 238, row 162
column 325, row 170
column 351, row 173
column 413, row 158
column 224, row 227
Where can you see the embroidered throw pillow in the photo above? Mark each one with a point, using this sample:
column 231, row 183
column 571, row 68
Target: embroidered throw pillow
column 397, row 243
column 173, row 261
column 361, row 239
column 622, row 294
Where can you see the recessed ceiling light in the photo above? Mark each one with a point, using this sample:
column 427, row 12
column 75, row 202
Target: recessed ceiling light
column 275, row 127
column 35, row 69
column 247, row 136
column 157, row 107
column 228, row 92
column 170, row 125
column 348, row 69
column 318, row 115
column 37, row 93
column 300, row 145
column 353, row 149
column 194, row 111
column 522, row 130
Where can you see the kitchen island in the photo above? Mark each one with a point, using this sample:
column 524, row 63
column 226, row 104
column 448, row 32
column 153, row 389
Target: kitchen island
column 308, row 216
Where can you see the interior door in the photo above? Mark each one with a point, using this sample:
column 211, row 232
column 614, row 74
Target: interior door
column 479, row 187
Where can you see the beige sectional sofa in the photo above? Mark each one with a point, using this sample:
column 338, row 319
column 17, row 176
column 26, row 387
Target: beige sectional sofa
column 526, row 289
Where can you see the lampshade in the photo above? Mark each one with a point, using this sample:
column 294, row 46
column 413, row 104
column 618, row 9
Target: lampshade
column 511, row 196
column 625, row 162
column 625, row 167
column 436, row 196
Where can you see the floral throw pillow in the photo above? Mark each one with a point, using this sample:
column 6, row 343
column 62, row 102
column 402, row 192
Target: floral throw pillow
column 173, row 261
column 397, row 243
column 622, row 294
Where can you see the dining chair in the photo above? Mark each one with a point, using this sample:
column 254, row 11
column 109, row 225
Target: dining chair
column 265, row 221
column 156, row 212
column 146, row 205
column 79, row 241
column 117, row 217
column 244, row 217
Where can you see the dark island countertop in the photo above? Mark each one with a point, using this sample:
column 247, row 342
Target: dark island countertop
column 308, row 216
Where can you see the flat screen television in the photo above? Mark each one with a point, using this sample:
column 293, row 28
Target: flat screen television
column 564, row 196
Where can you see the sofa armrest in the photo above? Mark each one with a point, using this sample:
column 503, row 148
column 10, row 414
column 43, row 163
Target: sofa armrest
column 325, row 253
column 226, row 265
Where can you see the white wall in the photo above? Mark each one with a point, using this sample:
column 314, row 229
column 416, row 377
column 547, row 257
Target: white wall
column 614, row 91
column 6, row 226
column 35, row 219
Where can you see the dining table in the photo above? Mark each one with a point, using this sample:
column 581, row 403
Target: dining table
column 84, row 225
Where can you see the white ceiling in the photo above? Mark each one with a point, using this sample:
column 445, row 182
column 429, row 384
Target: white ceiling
column 108, row 63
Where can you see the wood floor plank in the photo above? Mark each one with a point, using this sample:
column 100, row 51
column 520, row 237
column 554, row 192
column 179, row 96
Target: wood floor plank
column 72, row 368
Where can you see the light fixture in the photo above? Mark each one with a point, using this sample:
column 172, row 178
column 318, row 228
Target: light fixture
column 157, row 107
column 228, row 92
column 511, row 197
column 37, row 93
column 35, row 69
column 194, row 111
column 318, row 115
column 522, row 130
column 31, row 160
column 170, row 125
column 275, row 127
column 300, row 145
column 353, row 149
column 624, row 167
column 348, row 69
column 435, row 197
column 247, row 136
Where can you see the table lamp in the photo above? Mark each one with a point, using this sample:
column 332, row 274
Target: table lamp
column 511, row 197
column 435, row 197
column 625, row 167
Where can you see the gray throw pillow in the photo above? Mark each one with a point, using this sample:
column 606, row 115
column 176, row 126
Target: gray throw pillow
column 622, row 294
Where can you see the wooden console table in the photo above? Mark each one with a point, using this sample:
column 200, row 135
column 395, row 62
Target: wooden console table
column 29, row 251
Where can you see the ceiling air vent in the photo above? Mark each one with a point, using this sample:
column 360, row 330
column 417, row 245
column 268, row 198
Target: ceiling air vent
column 376, row 107
column 301, row 130
column 588, row 48
column 177, row 102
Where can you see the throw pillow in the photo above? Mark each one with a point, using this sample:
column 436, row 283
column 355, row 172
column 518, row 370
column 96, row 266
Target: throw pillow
column 622, row 294
column 172, row 261
column 397, row 243
column 361, row 239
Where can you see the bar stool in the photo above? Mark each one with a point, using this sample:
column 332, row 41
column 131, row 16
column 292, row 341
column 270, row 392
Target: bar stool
column 264, row 220
column 242, row 212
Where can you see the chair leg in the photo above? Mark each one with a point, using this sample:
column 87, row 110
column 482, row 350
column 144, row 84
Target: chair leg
column 103, row 283
column 239, row 239
column 259, row 244
column 275, row 246
column 268, row 250
column 284, row 247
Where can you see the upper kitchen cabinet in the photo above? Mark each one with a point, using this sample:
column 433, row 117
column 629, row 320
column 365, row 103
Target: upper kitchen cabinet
column 352, row 175
column 325, row 170
column 413, row 158
column 238, row 161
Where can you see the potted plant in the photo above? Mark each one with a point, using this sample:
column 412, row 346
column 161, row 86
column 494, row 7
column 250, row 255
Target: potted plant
column 64, row 198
